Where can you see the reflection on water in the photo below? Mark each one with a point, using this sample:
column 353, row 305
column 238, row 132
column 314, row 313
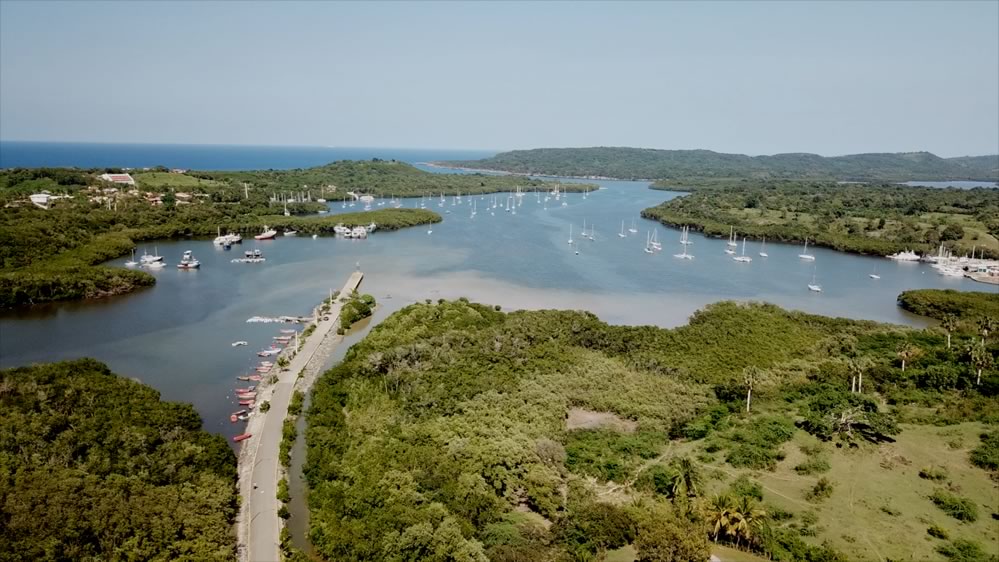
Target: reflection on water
column 176, row 336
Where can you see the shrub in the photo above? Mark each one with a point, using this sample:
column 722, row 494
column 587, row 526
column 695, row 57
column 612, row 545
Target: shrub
column 986, row 455
column 933, row 473
column 753, row 456
column 889, row 510
column 283, row 495
column 743, row 486
column 283, row 512
column 957, row 507
column 822, row 490
column 963, row 551
column 937, row 532
column 816, row 465
column 265, row 406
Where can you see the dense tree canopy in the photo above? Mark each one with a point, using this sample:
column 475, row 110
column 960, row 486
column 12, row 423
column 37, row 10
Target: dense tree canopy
column 94, row 466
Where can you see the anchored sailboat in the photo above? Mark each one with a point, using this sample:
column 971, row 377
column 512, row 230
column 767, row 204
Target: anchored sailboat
column 763, row 249
column 622, row 234
column 743, row 258
column 814, row 286
column 805, row 255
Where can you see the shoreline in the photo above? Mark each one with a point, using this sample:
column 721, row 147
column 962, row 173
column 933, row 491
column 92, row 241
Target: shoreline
column 258, row 526
column 526, row 174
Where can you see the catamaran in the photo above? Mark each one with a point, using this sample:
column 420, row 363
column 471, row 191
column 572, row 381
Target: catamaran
column 743, row 258
column 804, row 253
column 622, row 234
column 763, row 249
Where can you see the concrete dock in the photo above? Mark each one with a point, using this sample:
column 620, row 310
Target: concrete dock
column 258, row 524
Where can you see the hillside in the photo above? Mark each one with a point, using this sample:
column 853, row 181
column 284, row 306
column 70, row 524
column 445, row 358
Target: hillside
column 868, row 219
column 646, row 163
column 455, row 431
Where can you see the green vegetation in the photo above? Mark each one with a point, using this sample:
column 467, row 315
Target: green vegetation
column 970, row 307
column 957, row 507
column 95, row 467
column 966, row 551
column 355, row 308
column 548, row 435
column 986, row 455
column 867, row 219
column 383, row 178
column 55, row 254
column 637, row 163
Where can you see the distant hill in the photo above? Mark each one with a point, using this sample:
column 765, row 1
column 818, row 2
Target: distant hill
column 647, row 163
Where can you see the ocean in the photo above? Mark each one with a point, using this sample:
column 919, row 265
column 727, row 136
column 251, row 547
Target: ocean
column 19, row 154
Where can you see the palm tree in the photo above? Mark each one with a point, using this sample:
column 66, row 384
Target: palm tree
column 950, row 324
column 906, row 351
column 750, row 518
column 986, row 325
column 720, row 516
column 686, row 478
column 980, row 359
column 751, row 375
column 857, row 367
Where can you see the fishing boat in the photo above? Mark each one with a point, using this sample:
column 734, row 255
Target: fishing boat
column 805, row 255
column 763, row 249
column 731, row 237
column 743, row 258
column 814, row 286
column 188, row 261
column 622, row 234
column 239, row 343
column 132, row 262
column 633, row 229
column 242, row 437
column 267, row 234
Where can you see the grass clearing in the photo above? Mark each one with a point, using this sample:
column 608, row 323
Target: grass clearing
column 155, row 180
column 880, row 507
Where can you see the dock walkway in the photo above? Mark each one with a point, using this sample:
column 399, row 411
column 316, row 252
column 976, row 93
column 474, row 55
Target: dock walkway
column 259, row 468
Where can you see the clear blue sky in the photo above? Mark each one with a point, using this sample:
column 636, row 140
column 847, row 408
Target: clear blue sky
column 756, row 78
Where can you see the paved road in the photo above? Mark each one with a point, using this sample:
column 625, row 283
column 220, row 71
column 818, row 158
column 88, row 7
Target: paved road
column 259, row 528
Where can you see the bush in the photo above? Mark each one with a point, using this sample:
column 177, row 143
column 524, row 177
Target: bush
column 964, row 551
column 283, row 495
column 957, row 507
column 936, row 474
column 753, row 456
column 822, row 490
column 265, row 406
column 283, row 512
column 986, row 455
column 743, row 486
column 937, row 532
column 816, row 465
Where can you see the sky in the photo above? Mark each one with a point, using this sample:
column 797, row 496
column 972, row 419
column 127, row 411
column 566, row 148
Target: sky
column 744, row 77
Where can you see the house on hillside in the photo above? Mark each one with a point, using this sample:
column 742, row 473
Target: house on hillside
column 118, row 178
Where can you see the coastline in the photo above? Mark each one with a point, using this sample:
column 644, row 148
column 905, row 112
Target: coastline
column 444, row 166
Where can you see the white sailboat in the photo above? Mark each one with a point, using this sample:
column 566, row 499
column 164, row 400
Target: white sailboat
column 633, row 229
column 622, row 234
column 731, row 237
column 814, row 286
column 132, row 262
column 655, row 241
column 570, row 234
column 684, row 255
column 805, row 255
column 584, row 234
column 743, row 258
column 648, row 242
column 685, row 237
column 874, row 274
column 763, row 249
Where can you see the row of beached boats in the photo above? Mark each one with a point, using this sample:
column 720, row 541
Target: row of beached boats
column 246, row 396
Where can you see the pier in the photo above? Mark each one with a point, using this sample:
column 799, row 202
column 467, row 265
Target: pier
column 258, row 524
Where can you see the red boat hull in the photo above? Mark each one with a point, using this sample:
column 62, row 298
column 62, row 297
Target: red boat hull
column 242, row 437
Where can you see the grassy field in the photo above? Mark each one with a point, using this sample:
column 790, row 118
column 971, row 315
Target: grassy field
column 879, row 508
column 156, row 180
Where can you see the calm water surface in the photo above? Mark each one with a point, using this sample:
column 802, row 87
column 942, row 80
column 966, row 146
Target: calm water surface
column 176, row 336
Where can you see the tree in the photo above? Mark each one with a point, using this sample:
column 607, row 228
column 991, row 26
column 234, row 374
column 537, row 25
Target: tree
column 663, row 537
column 906, row 352
column 986, row 325
column 686, row 478
column 949, row 323
column 750, row 375
column 980, row 358
column 721, row 516
column 857, row 367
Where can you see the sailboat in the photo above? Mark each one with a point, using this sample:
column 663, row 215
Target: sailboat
column 684, row 255
column 633, row 230
column 685, row 237
column 804, row 253
column 814, row 286
column 875, row 275
column 570, row 234
column 430, row 229
column 622, row 234
column 584, row 234
column 132, row 262
column 743, row 258
column 731, row 237
column 655, row 241
column 648, row 242
column 267, row 234
column 763, row 249
column 576, row 248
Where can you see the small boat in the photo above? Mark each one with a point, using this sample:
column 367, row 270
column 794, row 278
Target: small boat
column 290, row 232
column 244, row 390
column 147, row 259
column 633, row 229
column 188, row 261
column 242, row 437
column 267, row 234
column 155, row 265
column 874, row 274
column 743, row 258
column 814, row 286
column 243, row 417
column 731, row 237
column 314, row 236
column 245, row 378
column 132, row 262
column 246, row 402
column 239, row 343
column 239, row 412
column 255, row 378
column 763, row 249
column 648, row 243
column 685, row 239
column 806, row 256
column 622, row 234
column 247, row 396
column 570, row 234
column 287, row 331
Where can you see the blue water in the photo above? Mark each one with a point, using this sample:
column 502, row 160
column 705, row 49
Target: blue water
column 15, row 154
